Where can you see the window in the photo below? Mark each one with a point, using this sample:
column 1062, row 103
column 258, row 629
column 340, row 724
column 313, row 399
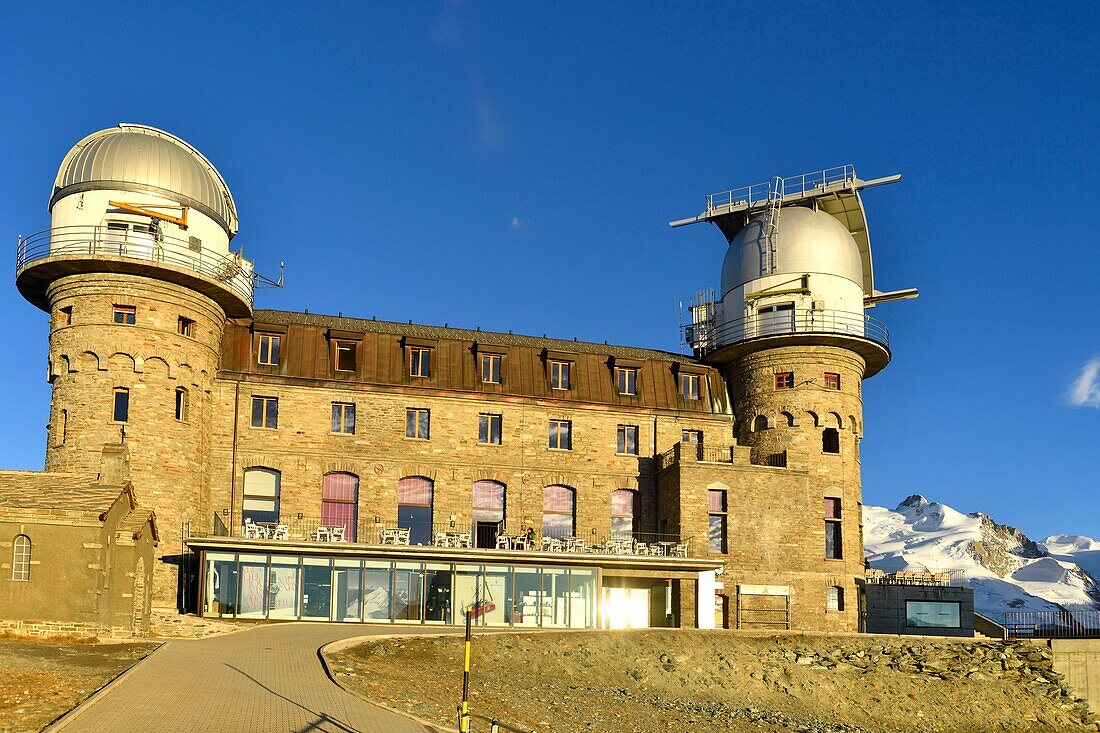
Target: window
column 834, row 598
column 939, row 614
column 122, row 405
column 21, row 558
column 63, row 430
column 558, row 512
column 185, row 326
column 559, row 374
column 345, row 356
column 488, row 429
column 420, row 362
column 340, row 502
column 181, row 404
column 125, row 315
column 624, row 507
column 760, row 423
column 830, row 440
column 262, row 487
column 627, row 379
column 689, row 386
column 833, row 545
column 265, row 412
column 488, row 504
column 66, row 316
column 561, row 434
column 784, row 380
column 490, row 368
column 417, row 422
column 693, row 437
column 414, row 508
column 716, row 531
column 627, row 440
column 343, row 418
column 267, row 348
column 832, row 380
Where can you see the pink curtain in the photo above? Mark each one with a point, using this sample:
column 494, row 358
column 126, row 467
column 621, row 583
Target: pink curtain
column 340, row 502
column 488, row 500
column 414, row 491
column 557, row 499
column 623, row 502
column 717, row 500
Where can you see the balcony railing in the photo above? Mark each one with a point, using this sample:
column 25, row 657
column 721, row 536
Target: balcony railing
column 794, row 186
column 706, row 337
column 231, row 270
column 480, row 536
column 944, row 578
column 1053, row 624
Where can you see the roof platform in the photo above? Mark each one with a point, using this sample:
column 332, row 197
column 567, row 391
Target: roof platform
column 832, row 190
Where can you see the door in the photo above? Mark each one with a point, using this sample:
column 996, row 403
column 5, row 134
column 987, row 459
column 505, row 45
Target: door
column 778, row 318
column 485, row 534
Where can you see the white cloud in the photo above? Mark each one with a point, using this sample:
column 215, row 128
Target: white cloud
column 1085, row 391
column 518, row 223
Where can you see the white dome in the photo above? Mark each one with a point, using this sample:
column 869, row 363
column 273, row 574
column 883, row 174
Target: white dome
column 140, row 158
column 809, row 242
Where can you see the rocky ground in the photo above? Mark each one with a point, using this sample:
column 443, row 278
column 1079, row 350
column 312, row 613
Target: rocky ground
column 721, row 681
column 41, row 680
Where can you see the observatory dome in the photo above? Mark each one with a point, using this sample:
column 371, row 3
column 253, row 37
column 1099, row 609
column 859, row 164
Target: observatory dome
column 144, row 159
column 808, row 242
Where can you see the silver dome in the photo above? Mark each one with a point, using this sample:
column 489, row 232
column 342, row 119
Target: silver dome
column 140, row 158
column 808, row 242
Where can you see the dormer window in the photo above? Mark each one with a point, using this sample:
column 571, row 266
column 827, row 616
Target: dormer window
column 490, row 368
column 559, row 375
column 627, row 379
column 268, row 346
column 689, row 386
column 420, row 362
column 345, row 356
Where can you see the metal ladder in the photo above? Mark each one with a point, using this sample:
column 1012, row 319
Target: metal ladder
column 770, row 260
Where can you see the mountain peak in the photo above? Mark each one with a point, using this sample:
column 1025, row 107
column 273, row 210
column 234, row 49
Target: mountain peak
column 913, row 500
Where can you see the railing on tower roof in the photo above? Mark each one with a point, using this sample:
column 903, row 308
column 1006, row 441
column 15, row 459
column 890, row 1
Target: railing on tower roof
column 705, row 337
column 231, row 271
column 800, row 186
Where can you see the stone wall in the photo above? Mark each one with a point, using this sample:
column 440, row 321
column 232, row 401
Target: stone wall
column 92, row 356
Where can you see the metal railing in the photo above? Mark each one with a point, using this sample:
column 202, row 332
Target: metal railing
column 303, row 528
column 1053, row 624
column 761, row 193
column 705, row 337
column 774, row 460
column 232, row 270
column 924, row 576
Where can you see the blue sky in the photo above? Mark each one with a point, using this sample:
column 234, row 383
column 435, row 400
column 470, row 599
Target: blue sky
column 514, row 166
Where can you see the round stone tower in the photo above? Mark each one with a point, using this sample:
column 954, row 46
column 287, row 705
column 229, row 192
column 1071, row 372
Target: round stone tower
column 138, row 278
column 791, row 336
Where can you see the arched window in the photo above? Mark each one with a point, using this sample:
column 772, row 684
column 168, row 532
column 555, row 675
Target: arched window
column 788, row 419
column 760, row 423
column 624, row 507
column 414, row 508
column 558, row 512
column 830, row 440
column 488, row 503
column 834, row 598
column 340, row 502
column 261, row 495
column 21, row 558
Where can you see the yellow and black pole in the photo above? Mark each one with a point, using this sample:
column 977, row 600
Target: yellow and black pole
column 464, row 708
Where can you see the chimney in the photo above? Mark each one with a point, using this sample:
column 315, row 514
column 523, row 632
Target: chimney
column 114, row 466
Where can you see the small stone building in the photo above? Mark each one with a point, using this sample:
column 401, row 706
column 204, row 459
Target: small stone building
column 77, row 556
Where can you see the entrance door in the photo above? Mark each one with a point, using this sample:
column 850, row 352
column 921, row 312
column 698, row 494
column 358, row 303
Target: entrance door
column 778, row 318
column 485, row 534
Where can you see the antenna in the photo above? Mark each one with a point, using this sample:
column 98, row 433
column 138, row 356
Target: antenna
column 260, row 281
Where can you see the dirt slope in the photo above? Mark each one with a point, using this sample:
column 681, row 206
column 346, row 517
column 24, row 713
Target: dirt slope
column 721, row 681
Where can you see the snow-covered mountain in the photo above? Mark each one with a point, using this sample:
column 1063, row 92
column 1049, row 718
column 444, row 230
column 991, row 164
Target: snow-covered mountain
column 1008, row 571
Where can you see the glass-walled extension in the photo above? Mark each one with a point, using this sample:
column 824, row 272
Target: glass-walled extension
column 314, row 588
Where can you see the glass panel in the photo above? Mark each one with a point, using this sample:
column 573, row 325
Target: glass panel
column 414, row 490
column 488, row 500
column 418, row 520
column 261, row 495
column 272, row 408
column 252, row 586
column 377, row 588
column 283, row 588
column 316, row 588
column 496, row 593
column 832, row 508
column 582, row 599
column 717, row 500
column 339, row 505
column 622, row 527
column 622, row 503
column 716, row 533
column 832, row 540
column 527, row 594
column 346, row 590
column 470, row 596
column 555, row 597
column 437, row 581
column 940, row 614
column 408, row 598
column 220, row 594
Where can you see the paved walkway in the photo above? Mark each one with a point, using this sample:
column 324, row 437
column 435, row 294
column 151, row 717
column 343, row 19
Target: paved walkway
column 268, row 680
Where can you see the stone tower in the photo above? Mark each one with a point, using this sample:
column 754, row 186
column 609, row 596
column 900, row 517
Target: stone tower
column 138, row 278
column 790, row 335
